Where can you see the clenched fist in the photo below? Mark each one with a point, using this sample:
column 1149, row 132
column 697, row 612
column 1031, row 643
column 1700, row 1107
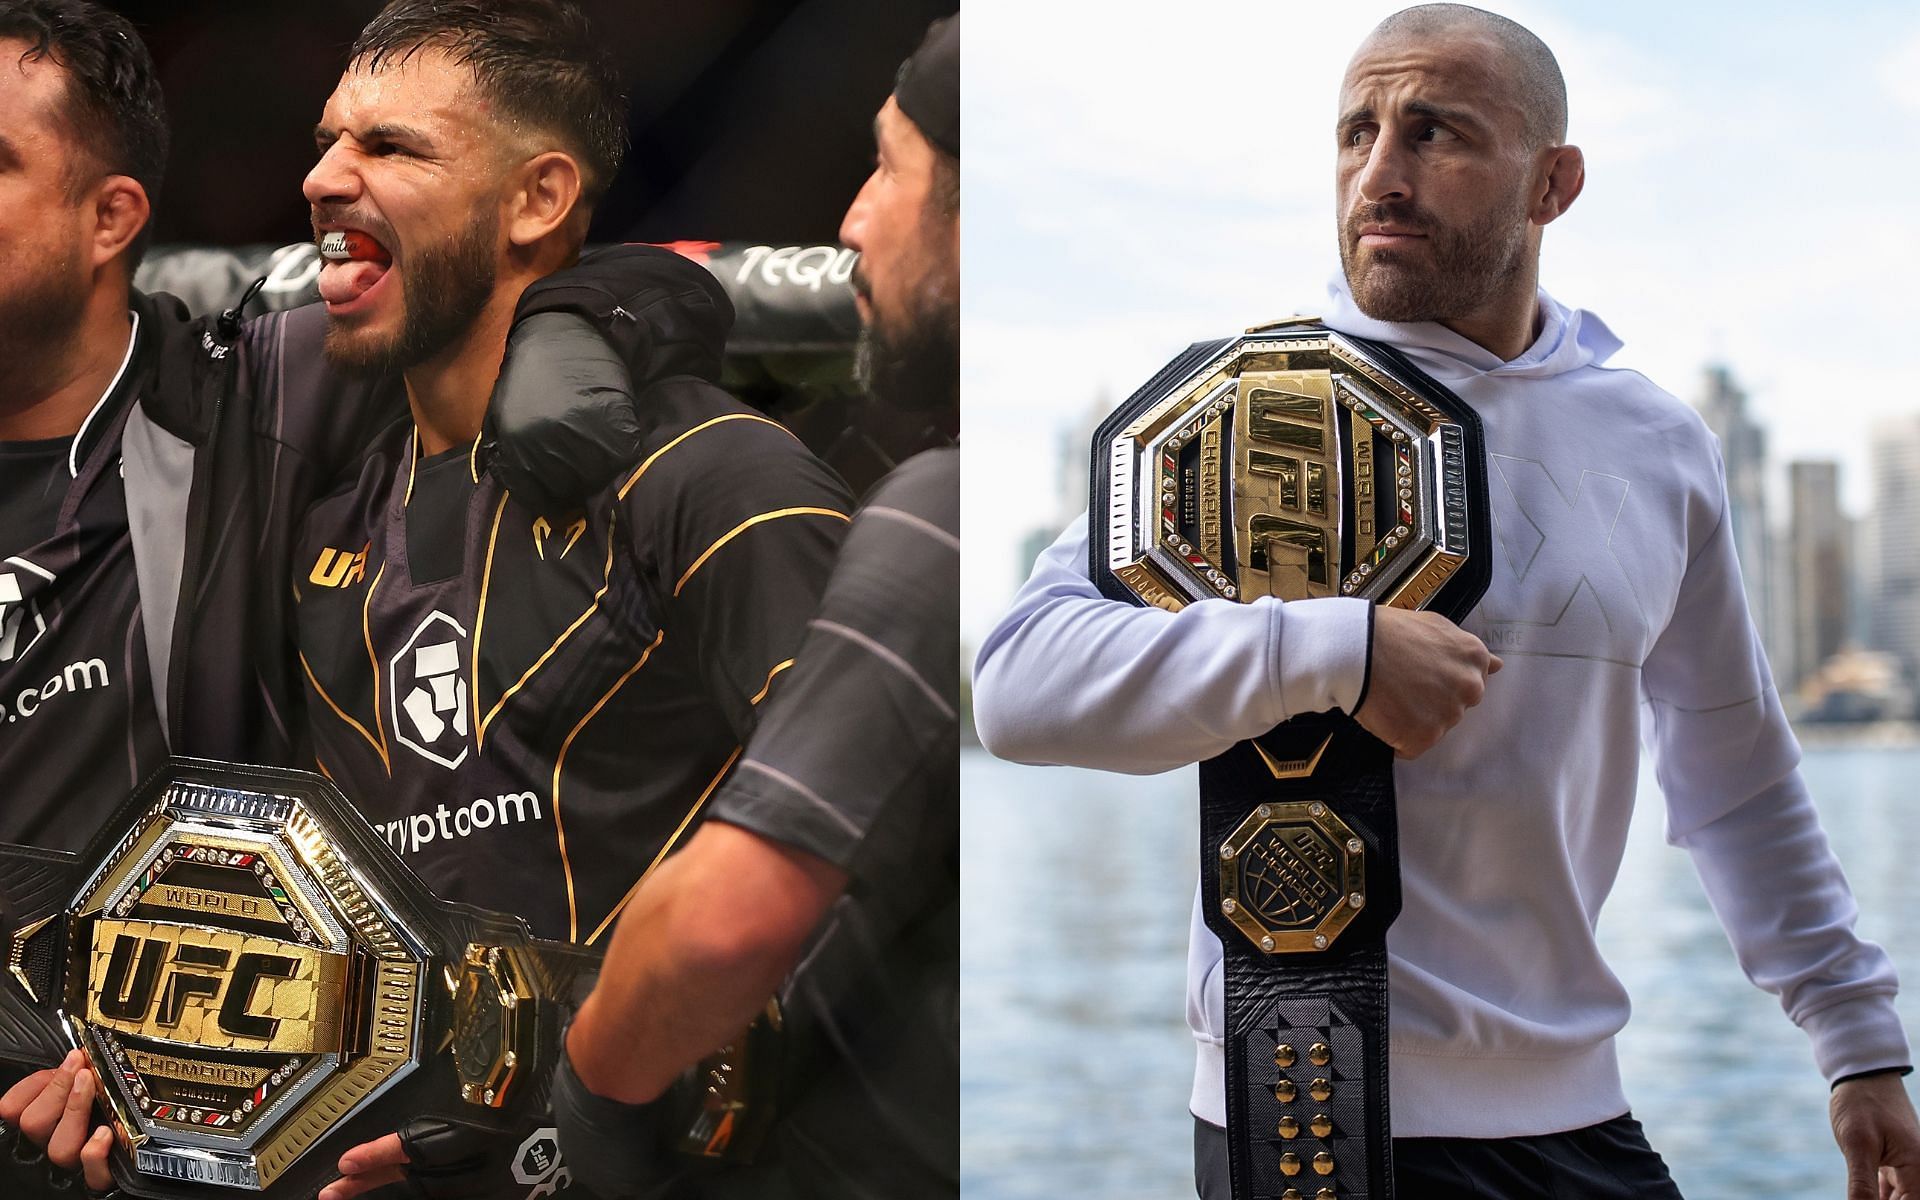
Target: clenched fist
column 1427, row 672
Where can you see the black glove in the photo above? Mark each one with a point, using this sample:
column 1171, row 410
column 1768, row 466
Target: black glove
column 448, row 1160
column 27, row 1173
column 561, row 424
column 452, row 1160
column 613, row 1149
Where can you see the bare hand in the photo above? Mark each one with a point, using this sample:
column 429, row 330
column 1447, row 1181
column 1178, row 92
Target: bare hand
column 1427, row 672
column 367, row 1166
column 53, row 1109
column 1874, row 1123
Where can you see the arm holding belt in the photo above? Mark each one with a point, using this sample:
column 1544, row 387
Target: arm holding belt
column 1298, row 463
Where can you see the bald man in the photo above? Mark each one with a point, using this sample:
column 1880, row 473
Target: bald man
column 1614, row 586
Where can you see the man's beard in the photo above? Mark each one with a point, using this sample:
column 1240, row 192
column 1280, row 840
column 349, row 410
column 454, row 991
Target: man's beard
column 1468, row 266
column 913, row 363
column 444, row 289
column 39, row 321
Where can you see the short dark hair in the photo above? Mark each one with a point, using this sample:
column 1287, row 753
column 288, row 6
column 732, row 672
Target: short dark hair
column 114, row 106
column 539, row 61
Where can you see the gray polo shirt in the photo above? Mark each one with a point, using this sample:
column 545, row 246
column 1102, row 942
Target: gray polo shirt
column 856, row 761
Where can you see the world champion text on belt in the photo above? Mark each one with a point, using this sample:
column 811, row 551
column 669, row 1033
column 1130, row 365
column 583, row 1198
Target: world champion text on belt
column 1298, row 463
column 259, row 983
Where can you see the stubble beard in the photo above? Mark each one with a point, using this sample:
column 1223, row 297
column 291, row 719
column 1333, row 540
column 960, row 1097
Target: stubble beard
column 912, row 361
column 443, row 292
column 1461, row 271
column 40, row 323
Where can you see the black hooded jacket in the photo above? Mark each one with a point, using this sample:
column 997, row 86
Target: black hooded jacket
column 154, row 599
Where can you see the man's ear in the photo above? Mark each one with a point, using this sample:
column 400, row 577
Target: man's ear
column 547, row 197
column 1565, row 176
column 120, row 210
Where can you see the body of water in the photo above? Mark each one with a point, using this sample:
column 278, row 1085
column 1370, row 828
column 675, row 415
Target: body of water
column 1076, row 1060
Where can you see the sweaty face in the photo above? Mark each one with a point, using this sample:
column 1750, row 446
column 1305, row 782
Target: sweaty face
column 1433, row 179
column 907, row 283
column 408, row 173
column 44, row 281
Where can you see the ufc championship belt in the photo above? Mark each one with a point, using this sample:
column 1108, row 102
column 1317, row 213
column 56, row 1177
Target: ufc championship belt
column 1297, row 462
column 259, row 984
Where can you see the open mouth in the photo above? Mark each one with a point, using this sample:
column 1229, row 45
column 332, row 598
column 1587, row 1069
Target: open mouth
column 352, row 265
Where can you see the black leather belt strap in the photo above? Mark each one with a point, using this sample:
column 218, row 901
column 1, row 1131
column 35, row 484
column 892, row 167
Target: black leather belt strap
column 34, row 885
column 1306, row 1052
column 1295, row 462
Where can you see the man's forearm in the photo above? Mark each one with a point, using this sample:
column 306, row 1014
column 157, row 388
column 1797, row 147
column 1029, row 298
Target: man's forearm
column 1071, row 677
column 697, row 953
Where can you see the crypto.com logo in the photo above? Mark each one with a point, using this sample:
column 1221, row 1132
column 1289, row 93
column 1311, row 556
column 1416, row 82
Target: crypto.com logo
column 429, row 695
column 21, row 624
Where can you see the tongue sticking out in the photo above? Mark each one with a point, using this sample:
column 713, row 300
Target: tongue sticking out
column 352, row 263
column 345, row 282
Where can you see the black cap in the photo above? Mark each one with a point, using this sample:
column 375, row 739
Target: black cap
column 928, row 86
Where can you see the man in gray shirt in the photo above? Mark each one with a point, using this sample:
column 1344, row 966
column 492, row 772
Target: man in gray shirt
column 833, row 852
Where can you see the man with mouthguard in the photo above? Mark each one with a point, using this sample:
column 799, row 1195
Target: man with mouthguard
column 534, row 708
column 153, row 471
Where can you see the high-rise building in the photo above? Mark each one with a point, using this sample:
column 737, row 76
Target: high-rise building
column 1743, row 448
column 1895, row 463
column 1073, row 457
column 1863, row 576
column 1816, row 561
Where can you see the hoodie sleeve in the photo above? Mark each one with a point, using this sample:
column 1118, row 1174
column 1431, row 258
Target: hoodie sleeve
column 1071, row 677
column 1729, row 767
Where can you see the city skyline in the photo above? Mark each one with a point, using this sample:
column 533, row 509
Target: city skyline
column 1724, row 220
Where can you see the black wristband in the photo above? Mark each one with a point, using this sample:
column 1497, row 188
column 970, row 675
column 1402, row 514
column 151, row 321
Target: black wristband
column 1871, row 1074
column 612, row 1148
column 1366, row 674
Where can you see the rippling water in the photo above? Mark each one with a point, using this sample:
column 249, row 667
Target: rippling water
column 1076, row 1060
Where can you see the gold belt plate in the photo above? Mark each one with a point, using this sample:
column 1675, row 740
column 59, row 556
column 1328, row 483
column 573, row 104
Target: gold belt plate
column 1292, row 877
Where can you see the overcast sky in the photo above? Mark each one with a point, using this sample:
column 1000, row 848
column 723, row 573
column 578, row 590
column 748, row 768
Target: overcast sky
column 1139, row 176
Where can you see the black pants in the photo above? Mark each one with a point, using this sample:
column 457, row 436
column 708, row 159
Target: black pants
column 1608, row 1161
